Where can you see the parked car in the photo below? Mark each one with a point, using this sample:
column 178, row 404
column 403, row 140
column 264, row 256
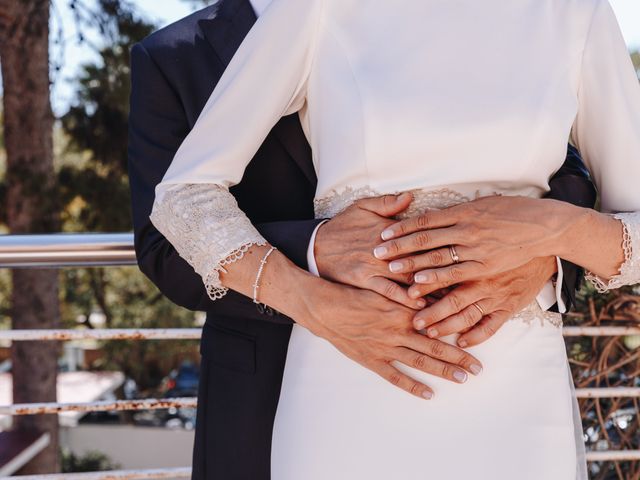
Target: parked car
column 181, row 382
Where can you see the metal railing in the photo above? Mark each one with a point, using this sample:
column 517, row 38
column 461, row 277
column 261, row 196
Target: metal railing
column 67, row 250
column 159, row 473
column 90, row 250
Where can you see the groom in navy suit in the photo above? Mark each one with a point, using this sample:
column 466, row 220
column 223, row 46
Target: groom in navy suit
column 243, row 346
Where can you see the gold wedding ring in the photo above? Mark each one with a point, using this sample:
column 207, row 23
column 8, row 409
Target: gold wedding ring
column 480, row 309
column 454, row 255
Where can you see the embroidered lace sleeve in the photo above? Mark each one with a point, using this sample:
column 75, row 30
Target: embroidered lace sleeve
column 630, row 269
column 207, row 228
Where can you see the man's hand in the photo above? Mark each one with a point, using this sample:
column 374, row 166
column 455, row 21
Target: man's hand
column 375, row 331
column 498, row 298
column 344, row 244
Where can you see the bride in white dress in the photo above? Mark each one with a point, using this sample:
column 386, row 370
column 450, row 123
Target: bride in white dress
column 433, row 97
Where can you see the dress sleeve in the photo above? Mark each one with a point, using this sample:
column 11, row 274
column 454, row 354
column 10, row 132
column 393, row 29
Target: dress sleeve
column 607, row 133
column 265, row 80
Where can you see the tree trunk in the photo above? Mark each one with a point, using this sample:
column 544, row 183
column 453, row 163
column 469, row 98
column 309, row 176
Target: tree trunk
column 32, row 207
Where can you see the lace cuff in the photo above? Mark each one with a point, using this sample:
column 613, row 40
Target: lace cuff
column 206, row 227
column 630, row 269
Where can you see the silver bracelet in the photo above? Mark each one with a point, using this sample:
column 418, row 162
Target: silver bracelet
column 256, row 285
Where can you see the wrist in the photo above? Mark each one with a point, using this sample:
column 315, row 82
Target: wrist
column 549, row 267
column 578, row 222
column 293, row 291
column 567, row 224
column 315, row 295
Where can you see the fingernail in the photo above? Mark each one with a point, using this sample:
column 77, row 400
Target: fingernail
column 475, row 369
column 427, row 395
column 420, row 324
column 380, row 252
column 396, row 267
column 462, row 343
column 387, row 234
column 421, row 278
column 460, row 376
column 421, row 303
column 432, row 332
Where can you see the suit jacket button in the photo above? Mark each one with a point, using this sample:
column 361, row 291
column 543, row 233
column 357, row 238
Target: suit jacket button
column 260, row 308
column 269, row 311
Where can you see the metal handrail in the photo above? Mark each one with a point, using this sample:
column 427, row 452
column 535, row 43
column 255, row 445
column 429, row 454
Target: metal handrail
column 195, row 333
column 101, row 334
column 98, row 406
column 192, row 402
column 67, row 250
column 157, row 473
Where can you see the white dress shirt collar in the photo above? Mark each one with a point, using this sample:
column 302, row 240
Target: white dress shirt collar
column 259, row 6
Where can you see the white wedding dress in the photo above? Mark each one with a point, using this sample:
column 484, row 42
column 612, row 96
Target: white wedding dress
column 452, row 99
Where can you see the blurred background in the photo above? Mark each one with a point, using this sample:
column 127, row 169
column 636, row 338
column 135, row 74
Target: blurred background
column 71, row 176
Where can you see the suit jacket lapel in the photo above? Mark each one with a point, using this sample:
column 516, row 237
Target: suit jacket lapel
column 225, row 29
column 229, row 23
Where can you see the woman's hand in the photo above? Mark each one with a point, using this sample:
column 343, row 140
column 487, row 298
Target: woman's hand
column 474, row 240
column 478, row 309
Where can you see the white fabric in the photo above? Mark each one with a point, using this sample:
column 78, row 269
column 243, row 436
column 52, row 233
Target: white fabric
column 547, row 296
column 337, row 420
column 259, row 6
column 311, row 255
column 562, row 307
column 474, row 97
column 552, row 293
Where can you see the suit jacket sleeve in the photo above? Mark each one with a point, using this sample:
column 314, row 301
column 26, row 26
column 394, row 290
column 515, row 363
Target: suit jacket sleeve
column 157, row 127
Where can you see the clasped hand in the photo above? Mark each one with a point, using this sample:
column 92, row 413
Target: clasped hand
column 498, row 242
column 490, row 236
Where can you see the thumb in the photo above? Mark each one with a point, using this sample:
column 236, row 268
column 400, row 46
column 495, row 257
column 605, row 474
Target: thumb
column 387, row 205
